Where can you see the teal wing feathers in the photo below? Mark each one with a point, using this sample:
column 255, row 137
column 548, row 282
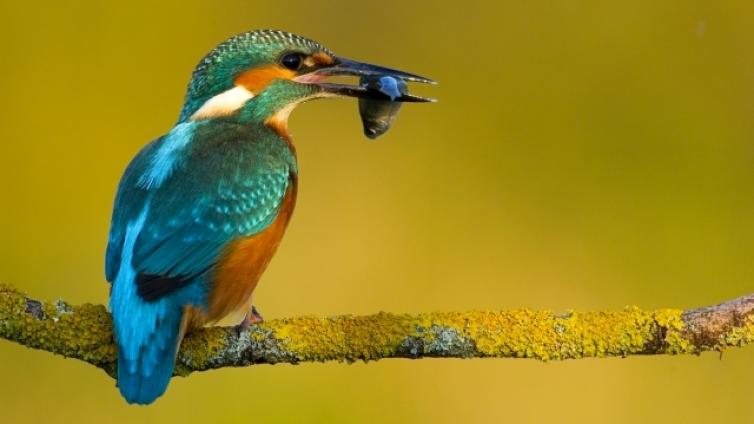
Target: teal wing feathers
column 216, row 192
column 188, row 226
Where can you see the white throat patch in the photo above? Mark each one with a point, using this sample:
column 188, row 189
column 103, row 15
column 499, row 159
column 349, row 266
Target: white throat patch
column 223, row 104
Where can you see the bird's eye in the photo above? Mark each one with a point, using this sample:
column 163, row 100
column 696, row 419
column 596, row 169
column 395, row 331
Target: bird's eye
column 292, row 61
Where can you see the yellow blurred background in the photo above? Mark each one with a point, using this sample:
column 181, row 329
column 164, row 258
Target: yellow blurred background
column 583, row 155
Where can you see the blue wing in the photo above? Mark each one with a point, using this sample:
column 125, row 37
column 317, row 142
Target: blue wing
column 129, row 201
column 225, row 184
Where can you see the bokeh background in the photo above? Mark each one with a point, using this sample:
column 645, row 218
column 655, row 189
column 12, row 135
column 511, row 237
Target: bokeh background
column 583, row 155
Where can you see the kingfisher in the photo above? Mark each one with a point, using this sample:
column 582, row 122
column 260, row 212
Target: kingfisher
column 200, row 211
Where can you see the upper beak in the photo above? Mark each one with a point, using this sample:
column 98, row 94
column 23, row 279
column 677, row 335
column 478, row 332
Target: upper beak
column 352, row 68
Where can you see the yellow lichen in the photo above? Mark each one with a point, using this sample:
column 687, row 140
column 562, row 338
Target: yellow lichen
column 675, row 341
column 741, row 335
column 200, row 347
column 84, row 332
column 347, row 337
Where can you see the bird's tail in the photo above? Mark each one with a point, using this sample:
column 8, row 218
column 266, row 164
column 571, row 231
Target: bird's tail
column 146, row 362
column 147, row 334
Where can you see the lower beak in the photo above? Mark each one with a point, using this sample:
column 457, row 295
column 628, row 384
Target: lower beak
column 346, row 67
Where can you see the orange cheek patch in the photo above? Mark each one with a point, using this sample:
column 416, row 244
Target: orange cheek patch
column 323, row 58
column 256, row 79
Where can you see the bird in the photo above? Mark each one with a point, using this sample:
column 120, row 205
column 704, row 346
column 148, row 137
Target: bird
column 200, row 211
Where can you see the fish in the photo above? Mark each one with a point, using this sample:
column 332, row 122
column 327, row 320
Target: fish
column 378, row 116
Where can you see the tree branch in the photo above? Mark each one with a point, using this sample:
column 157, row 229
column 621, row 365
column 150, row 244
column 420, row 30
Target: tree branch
column 84, row 332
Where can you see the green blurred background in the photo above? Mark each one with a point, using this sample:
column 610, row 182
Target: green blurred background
column 583, row 154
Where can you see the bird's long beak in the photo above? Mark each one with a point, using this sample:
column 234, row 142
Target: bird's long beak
column 347, row 67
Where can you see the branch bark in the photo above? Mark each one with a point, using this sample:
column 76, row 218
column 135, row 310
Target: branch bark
column 84, row 332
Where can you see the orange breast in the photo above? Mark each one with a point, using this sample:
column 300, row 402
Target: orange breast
column 244, row 261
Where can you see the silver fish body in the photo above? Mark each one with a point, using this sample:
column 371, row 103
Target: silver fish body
column 378, row 115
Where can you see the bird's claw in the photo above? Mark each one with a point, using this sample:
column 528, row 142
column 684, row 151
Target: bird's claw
column 252, row 317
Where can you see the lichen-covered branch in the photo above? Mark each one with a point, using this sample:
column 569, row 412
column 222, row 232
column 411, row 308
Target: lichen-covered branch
column 83, row 332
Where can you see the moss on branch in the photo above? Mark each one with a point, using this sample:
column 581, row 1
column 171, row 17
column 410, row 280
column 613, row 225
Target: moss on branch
column 84, row 332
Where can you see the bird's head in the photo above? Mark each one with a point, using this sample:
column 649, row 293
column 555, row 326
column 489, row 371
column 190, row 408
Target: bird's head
column 267, row 73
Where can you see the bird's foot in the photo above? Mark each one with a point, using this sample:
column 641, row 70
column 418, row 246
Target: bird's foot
column 252, row 317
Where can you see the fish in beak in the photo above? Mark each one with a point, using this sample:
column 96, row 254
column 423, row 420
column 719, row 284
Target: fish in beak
column 378, row 116
column 347, row 67
column 381, row 91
